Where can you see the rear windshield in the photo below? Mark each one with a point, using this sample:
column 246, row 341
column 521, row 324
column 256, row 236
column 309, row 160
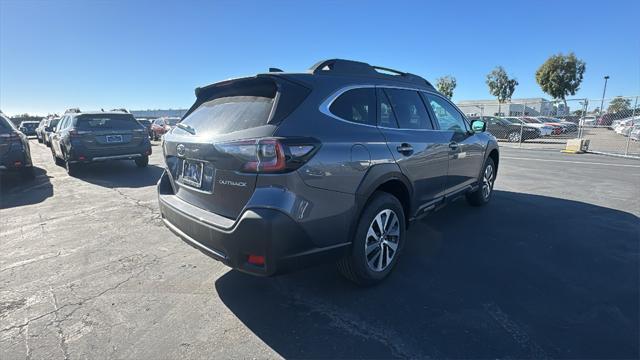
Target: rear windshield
column 107, row 122
column 228, row 114
column 5, row 125
column 29, row 125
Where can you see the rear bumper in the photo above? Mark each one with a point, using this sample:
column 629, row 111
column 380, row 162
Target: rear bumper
column 266, row 232
column 80, row 154
column 14, row 160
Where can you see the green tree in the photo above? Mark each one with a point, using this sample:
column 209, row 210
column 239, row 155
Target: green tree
column 446, row 85
column 619, row 104
column 578, row 112
column 561, row 76
column 500, row 85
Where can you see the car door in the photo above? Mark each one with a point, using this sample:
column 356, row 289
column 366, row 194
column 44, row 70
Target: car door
column 55, row 136
column 420, row 151
column 466, row 151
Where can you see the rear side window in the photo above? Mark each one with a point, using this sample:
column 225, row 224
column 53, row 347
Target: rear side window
column 409, row 109
column 106, row 122
column 357, row 105
column 385, row 112
column 229, row 114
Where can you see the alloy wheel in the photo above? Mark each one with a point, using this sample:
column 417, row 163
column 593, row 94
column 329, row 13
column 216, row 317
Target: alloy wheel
column 382, row 240
column 487, row 181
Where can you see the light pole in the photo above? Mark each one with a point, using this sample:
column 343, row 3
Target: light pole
column 604, row 91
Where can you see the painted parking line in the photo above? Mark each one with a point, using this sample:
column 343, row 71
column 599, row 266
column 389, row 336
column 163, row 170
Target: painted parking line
column 569, row 161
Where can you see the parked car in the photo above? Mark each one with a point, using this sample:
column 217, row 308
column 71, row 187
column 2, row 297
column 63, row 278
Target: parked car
column 147, row 124
column 48, row 128
column 553, row 122
column 332, row 164
column 625, row 127
column 568, row 126
column 84, row 137
column 162, row 125
column 15, row 154
column 28, row 127
column 556, row 128
column 545, row 130
column 503, row 129
column 588, row 121
column 608, row 118
column 40, row 130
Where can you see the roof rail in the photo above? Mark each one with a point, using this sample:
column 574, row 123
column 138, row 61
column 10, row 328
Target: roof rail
column 120, row 110
column 72, row 111
column 350, row 67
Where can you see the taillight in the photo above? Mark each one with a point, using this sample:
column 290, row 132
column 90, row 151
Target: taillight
column 270, row 155
column 73, row 132
column 12, row 137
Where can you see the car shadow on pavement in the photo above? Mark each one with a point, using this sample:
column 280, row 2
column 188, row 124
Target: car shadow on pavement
column 527, row 276
column 120, row 174
column 16, row 191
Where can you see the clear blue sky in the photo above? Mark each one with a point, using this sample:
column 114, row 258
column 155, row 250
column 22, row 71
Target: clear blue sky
column 152, row 54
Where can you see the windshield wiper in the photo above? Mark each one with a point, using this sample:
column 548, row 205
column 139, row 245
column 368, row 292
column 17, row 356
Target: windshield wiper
column 186, row 128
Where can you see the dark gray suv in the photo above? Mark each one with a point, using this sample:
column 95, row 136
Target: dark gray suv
column 84, row 137
column 15, row 153
column 282, row 170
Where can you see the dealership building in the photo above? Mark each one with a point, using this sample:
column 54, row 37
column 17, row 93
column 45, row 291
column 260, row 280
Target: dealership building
column 515, row 107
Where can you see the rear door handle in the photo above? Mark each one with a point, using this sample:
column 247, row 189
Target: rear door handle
column 405, row 149
column 453, row 145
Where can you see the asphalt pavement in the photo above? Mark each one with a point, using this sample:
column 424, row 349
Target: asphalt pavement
column 549, row 269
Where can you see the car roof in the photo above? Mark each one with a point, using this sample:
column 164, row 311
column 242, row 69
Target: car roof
column 99, row 113
column 342, row 72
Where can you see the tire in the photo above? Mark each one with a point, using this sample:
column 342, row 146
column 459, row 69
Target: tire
column 513, row 136
column 56, row 159
column 72, row 168
column 481, row 197
column 142, row 162
column 360, row 266
column 40, row 141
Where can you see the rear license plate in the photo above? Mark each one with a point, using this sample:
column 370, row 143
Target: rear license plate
column 114, row 138
column 192, row 173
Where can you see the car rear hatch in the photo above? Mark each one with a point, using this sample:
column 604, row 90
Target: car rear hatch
column 109, row 134
column 211, row 154
column 8, row 135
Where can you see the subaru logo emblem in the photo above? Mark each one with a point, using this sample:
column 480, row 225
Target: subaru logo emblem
column 180, row 150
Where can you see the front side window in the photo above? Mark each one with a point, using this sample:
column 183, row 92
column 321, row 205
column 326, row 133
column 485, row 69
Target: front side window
column 357, row 105
column 448, row 117
column 409, row 109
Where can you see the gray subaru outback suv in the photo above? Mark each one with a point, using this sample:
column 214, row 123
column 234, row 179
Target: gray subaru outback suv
column 85, row 137
column 283, row 170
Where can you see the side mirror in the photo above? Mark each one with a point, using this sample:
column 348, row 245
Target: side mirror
column 478, row 126
column 48, row 129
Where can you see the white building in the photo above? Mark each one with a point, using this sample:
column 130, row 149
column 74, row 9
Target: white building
column 515, row 107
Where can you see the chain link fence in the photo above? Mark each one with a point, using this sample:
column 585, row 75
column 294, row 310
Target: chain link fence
column 612, row 126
